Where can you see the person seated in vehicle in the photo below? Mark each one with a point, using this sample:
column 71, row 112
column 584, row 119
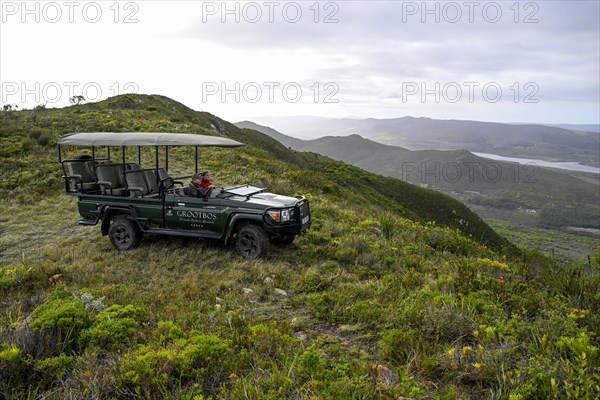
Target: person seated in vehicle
column 203, row 180
column 201, row 185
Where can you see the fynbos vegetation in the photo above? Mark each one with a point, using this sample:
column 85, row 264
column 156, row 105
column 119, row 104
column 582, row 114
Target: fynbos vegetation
column 395, row 291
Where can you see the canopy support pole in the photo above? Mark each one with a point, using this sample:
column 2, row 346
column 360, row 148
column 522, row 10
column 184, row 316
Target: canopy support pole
column 94, row 162
column 123, row 156
column 156, row 157
column 167, row 158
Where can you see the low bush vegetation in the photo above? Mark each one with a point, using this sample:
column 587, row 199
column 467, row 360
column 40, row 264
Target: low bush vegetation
column 374, row 302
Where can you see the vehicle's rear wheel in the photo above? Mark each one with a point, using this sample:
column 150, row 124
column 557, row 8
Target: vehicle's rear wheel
column 252, row 241
column 124, row 234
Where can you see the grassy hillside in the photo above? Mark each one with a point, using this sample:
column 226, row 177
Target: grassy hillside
column 29, row 159
column 374, row 302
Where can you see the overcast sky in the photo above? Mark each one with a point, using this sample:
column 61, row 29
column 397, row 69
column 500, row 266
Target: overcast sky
column 527, row 61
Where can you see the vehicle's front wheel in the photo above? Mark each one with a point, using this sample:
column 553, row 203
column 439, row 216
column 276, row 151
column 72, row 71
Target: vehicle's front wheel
column 252, row 241
column 124, row 234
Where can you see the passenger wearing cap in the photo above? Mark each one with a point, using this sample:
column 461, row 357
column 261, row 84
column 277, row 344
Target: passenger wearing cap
column 201, row 185
column 203, row 180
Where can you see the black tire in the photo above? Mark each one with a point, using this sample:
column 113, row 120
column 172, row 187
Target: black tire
column 284, row 240
column 252, row 242
column 124, row 234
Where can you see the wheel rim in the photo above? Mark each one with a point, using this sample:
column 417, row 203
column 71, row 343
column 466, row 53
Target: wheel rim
column 248, row 244
column 122, row 236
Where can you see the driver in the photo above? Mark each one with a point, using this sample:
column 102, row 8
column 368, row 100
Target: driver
column 204, row 181
column 201, row 185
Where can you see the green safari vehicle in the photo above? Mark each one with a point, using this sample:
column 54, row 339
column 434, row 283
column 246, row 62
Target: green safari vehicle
column 130, row 201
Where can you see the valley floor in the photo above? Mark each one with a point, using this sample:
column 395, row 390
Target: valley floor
column 563, row 245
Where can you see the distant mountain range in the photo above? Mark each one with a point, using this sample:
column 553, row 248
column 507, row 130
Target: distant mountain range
column 576, row 127
column 551, row 143
column 460, row 173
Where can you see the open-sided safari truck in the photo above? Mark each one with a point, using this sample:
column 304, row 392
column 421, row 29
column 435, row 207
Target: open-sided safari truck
column 130, row 200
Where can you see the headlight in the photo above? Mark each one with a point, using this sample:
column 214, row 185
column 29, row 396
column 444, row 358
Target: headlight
column 281, row 215
column 276, row 215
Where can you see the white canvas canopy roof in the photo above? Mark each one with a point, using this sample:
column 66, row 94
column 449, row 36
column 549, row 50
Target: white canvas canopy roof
column 145, row 139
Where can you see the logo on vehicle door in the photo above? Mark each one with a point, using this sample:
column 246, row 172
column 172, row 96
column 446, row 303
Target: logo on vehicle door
column 196, row 216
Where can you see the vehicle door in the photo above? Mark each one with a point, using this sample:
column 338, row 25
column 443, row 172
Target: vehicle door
column 194, row 214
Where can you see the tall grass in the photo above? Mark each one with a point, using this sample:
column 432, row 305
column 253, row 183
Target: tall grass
column 387, row 223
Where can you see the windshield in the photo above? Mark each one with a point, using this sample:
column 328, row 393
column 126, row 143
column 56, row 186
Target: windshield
column 245, row 190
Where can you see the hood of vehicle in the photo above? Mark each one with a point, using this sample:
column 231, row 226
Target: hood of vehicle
column 272, row 200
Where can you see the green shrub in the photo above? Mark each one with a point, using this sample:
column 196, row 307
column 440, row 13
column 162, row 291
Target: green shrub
column 595, row 259
column 311, row 364
column 54, row 368
column 114, row 327
column 367, row 312
column 321, row 305
column 148, row 369
column 27, row 144
column 399, row 345
column 268, row 342
column 413, row 279
column 346, row 255
column 313, row 281
column 168, row 332
column 452, row 241
column 43, row 140
column 203, row 355
column 348, row 380
column 11, row 354
column 578, row 347
column 36, row 132
column 15, row 370
column 538, row 385
column 65, row 317
column 12, row 276
column 151, row 369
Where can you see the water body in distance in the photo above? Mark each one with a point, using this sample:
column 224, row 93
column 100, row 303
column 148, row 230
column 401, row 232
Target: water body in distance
column 571, row 166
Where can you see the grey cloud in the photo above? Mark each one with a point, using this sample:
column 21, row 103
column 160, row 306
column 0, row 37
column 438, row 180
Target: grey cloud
column 560, row 51
column 368, row 22
column 567, row 29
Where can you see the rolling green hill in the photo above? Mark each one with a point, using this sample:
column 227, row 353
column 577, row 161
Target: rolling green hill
column 32, row 131
column 395, row 291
